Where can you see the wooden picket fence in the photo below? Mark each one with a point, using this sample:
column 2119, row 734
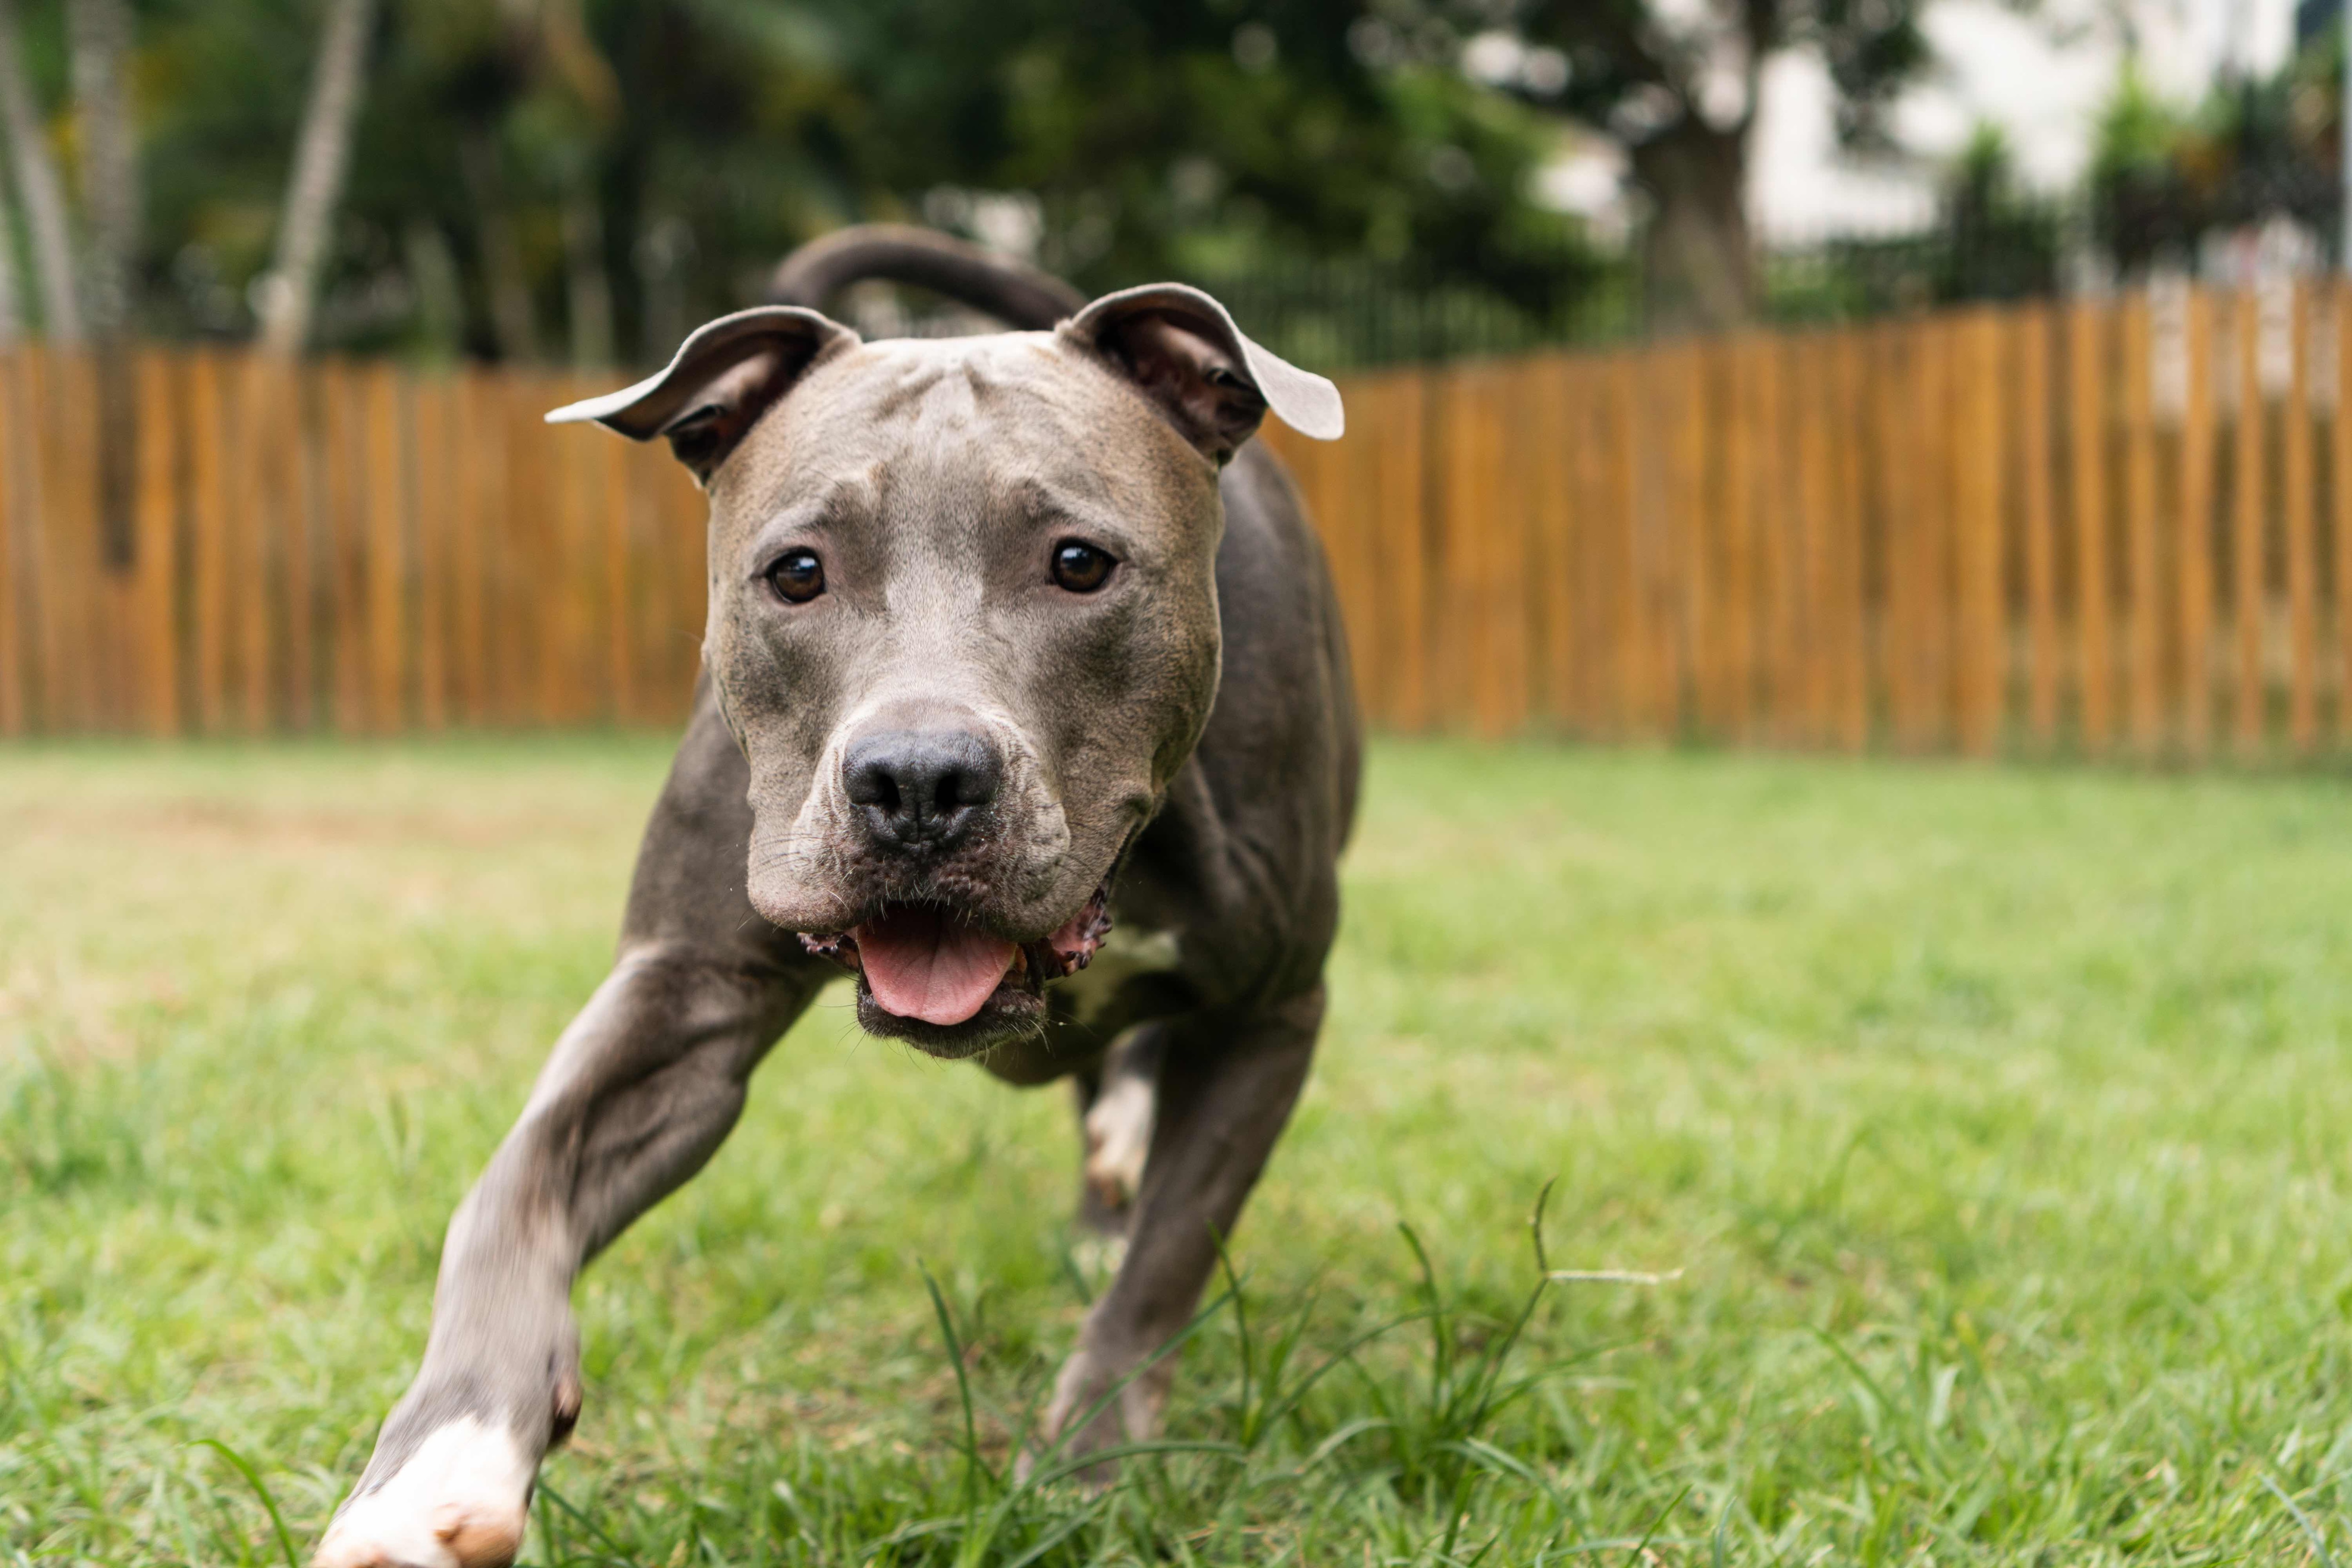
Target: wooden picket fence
column 342, row 545
column 2111, row 528
column 2108, row 528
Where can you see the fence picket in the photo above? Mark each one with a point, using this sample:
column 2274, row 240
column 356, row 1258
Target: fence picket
column 342, row 536
column 1684, row 585
column 2143, row 623
column 2302, row 547
column 17, row 580
column 382, row 505
column 299, row 479
column 2339, row 479
column 1737, row 507
column 2031, row 329
column 1551, row 534
column 2087, row 459
column 2247, row 566
column 1778, row 613
column 68, row 522
column 1898, row 468
column 155, row 674
column 1404, row 485
column 208, row 541
column 1817, row 506
column 476, row 522
column 2194, row 547
column 1977, row 538
column 1850, row 590
column 1932, row 526
column 432, row 437
column 1596, row 582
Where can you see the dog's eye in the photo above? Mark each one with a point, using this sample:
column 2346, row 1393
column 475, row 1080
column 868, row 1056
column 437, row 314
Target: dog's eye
column 797, row 576
column 1080, row 567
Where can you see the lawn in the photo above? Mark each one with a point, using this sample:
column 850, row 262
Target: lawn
column 1987, row 1130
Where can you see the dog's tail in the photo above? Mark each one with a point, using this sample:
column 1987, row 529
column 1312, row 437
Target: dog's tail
column 1019, row 295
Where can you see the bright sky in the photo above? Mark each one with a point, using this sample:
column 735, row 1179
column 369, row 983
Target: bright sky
column 2041, row 78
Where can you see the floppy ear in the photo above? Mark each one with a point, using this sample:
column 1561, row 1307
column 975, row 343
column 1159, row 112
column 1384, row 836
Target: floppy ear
column 1180, row 348
column 724, row 377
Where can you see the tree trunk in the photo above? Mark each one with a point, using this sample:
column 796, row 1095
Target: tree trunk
column 662, row 253
column 440, row 297
column 322, row 156
column 513, row 318
column 110, row 179
column 43, row 191
column 12, row 308
column 1698, row 274
column 110, row 169
column 588, row 282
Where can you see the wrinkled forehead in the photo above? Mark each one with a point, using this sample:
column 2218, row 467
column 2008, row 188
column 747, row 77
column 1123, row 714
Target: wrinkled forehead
column 963, row 414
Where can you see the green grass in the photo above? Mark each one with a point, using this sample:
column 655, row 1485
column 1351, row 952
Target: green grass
column 1993, row 1127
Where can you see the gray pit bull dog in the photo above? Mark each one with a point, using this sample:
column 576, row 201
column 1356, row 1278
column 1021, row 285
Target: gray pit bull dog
column 1026, row 700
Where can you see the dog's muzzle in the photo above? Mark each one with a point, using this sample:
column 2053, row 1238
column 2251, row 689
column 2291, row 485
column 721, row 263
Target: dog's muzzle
column 926, row 963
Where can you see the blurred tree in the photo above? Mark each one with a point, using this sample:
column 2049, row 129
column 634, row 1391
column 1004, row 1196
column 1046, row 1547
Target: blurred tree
column 1676, row 84
column 38, row 184
column 107, row 141
column 1205, row 137
column 2139, row 201
column 2166, row 177
column 102, row 32
column 289, row 291
column 612, row 170
column 1997, row 243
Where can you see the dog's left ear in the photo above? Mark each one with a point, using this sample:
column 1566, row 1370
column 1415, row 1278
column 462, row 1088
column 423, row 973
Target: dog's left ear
column 1179, row 347
column 723, row 378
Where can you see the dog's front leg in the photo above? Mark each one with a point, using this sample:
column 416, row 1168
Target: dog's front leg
column 640, row 1090
column 1226, row 1087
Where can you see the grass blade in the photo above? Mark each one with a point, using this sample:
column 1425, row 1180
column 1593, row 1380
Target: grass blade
column 2310, row 1531
column 973, row 1465
column 252, row 1478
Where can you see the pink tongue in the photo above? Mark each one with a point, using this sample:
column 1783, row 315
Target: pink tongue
column 921, row 963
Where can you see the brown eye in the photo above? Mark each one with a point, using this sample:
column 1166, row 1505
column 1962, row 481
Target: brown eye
column 797, row 576
column 1080, row 568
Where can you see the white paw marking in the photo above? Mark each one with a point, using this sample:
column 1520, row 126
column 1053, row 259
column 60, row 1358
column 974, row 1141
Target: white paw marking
column 1118, row 1137
column 459, row 1503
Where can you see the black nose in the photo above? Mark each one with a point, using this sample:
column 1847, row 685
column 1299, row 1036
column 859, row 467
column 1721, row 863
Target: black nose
column 921, row 789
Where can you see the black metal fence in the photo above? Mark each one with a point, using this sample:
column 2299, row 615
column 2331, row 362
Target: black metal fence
column 1351, row 314
column 1339, row 317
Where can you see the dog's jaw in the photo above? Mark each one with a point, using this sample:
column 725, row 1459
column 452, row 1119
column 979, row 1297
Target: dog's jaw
column 1018, row 1006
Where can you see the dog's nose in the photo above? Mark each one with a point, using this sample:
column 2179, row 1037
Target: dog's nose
column 921, row 789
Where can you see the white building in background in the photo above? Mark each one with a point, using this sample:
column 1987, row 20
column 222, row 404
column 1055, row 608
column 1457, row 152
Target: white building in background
column 2041, row 77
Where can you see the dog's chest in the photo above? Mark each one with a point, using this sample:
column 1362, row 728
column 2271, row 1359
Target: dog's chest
column 1126, row 955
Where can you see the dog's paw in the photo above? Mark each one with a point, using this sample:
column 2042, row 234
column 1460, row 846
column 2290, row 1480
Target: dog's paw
column 1118, row 1137
column 458, row 1501
column 1100, row 1402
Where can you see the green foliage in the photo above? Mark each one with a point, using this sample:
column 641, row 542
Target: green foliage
column 1623, row 54
column 1991, row 1118
column 2163, row 175
column 667, row 152
column 2137, row 131
column 1204, row 139
column 1987, row 170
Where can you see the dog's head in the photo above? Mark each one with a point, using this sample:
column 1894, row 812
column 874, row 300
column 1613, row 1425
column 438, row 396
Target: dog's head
column 964, row 620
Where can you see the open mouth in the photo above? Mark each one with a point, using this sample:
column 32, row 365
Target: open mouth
column 925, row 964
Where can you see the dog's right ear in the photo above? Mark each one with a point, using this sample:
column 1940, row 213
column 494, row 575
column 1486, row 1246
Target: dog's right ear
column 724, row 377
